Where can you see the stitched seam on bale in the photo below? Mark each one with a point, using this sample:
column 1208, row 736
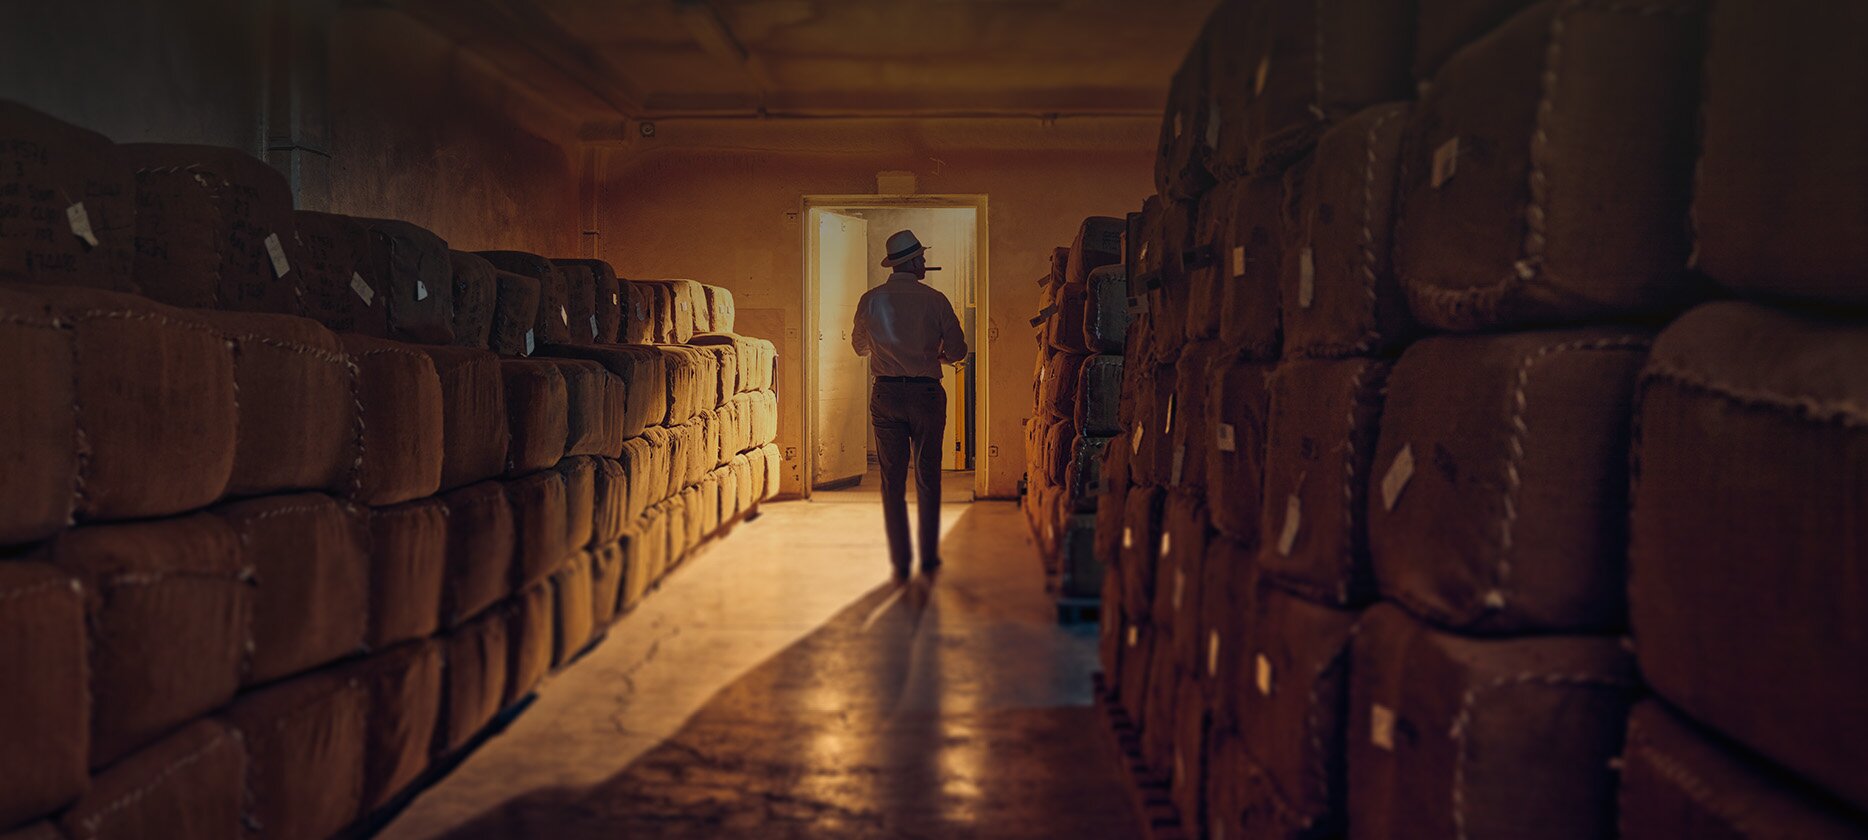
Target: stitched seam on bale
column 1519, row 430
column 1373, row 334
column 362, row 437
column 28, row 591
column 1316, row 106
column 1462, row 723
column 94, row 822
column 285, row 511
column 238, row 577
column 1848, row 414
column 1689, row 782
column 327, row 356
column 81, row 442
column 1319, row 756
column 1347, row 568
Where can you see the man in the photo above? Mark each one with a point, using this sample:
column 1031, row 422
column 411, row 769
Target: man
column 907, row 329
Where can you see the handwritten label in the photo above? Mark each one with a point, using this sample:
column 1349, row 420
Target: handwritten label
column 1293, row 519
column 362, row 288
column 1397, row 478
column 81, row 224
column 276, row 250
column 1445, row 162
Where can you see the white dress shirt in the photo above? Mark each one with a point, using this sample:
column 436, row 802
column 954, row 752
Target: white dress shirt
column 907, row 328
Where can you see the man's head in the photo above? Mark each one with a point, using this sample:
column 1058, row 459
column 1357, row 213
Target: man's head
column 906, row 254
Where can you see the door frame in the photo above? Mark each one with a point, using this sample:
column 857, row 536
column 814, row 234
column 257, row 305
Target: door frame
column 982, row 408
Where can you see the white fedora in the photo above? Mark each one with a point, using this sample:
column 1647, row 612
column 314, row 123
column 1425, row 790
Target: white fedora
column 903, row 246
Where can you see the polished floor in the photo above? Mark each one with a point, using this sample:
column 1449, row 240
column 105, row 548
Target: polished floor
column 778, row 687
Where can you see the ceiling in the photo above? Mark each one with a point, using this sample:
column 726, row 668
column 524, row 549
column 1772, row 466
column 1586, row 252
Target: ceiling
column 605, row 59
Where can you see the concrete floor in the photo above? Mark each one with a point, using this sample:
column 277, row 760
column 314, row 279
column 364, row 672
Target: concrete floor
column 777, row 686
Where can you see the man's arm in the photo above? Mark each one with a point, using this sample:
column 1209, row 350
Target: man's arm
column 859, row 334
column 953, row 338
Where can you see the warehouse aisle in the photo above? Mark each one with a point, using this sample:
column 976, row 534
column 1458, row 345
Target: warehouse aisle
column 777, row 687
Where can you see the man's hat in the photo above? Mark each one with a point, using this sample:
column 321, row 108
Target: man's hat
column 903, row 246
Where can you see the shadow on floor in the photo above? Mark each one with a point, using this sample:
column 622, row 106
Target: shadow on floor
column 932, row 712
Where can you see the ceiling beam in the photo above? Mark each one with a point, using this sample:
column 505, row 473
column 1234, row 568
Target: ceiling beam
column 716, row 39
column 523, row 41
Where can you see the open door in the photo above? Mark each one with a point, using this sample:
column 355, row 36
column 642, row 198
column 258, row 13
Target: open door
column 842, row 439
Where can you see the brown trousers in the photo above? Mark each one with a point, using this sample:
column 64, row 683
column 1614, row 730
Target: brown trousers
column 910, row 419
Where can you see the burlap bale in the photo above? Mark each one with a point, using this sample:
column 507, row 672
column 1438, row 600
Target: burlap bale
column 1184, row 148
column 537, row 413
column 1063, row 326
column 1444, row 27
column 1238, row 407
column 539, row 516
column 1320, row 61
column 606, row 584
column 47, row 705
column 1179, row 576
column 1058, row 383
column 637, row 549
column 400, row 397
column 418, row 280
column 515, row 311
column 1234, row 35
column 751, row 480
column 1142, row 527
column 1225, row 660
column 722, row 313
column 1137, row 646
column 305, row 743
column 1678, row 781
column 1112, row 504
column 335, row 291
column 1152, row 435
column 1498, row 499
column 476, row 296
column 408, row 567
column 137, row 360
column 679, row 318
column 1233, row 780
column 764, row 417
column 1319, row 452
column 586, row 386
column 709, row 514
column 606, row 291
column 726, row 364
column 1207, row 277
column 533, row 636
column 1191, row 438
column 62, row 182
column 1106, row 310
column 1165, row 263
column 170, row 606
column 214, row 229
column 581, row 296
column 480, row 550
column 645, row 374
column 1512, row 211
column 298, row 422
column 478, row 654
column 684, row 383
column 646, row 312
column 636, row 462
column 1451, row 736
column 610, row 501
column 552, row 324
column 1775, row 212
column 1187, row 774
column 1293, row 713
column 310, row 557
column 1083, row 478
column 1251, row 246
column 38, row 430
column 774, row 470
column 474, row 415
column 1742, row 587
column 580, row 500
column 572, row 608
column 1109, row 630
column 1057, row 452
column 190, row 784
column 1340, row 294
column 404, row 686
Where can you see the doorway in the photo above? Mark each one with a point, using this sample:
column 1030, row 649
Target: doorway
column 845, row 240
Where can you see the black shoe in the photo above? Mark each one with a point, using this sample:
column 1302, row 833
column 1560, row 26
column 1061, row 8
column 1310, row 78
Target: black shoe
column 900, row 578
column 930, row 570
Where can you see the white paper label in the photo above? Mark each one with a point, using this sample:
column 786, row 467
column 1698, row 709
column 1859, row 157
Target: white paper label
column 1168, row 429
column 1135, row 444
column 81, row 224
column 593, row 326
column 564, row 315
column 530, row 345
column 1134, row 636
column 1238, row 261
column 1445, row 162
column 616, row 299
column 1180, row 588
column 1167, row 544
column 1306, row 278
column 1128, row 537
column 1397, row 478
column 1293, row 519
column 1228, row 438
column 1382, row 727
column 1264, row 675
column 1212, row 652
column 276, row 250
column 362, row 288
column 1264, row 74
column 1180, row 461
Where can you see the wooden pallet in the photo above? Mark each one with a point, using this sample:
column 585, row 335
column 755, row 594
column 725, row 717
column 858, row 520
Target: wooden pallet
column 1149, row 790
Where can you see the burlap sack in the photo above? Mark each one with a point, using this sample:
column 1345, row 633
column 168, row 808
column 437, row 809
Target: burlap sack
column 408, row 563
column 582, row 300
column 580, row 500
column 48, row 703
column 1058, row 383
column 1183, row 150
column 480, row 546
column 60, row 184
column 1188, row 770
column 765, row 418
column 334, row 290
column 532, row 636
column 1444, row 27
column 537, row 413
column 611, row 501
column 1340, row 294
column 515, row 311
column 476, row 296
column 1060, row 268
column 478, row 656
column 721, row 313
column 645, row 375
column 189, row 784
column 774, row 470
column 552, row 323
column 1225, row 650
column 418, row 277
column 298, row 422
column 680, row 318
column 403, row 423
column 170, row 606
column 1318, row 62
column 1231, row 782
column 214, row 229
column 1151, row 434
column 1250, row 250
column 606, row 584
column 1109, row 630
column 646, row 314
column 405, row 686
column 1207, row 277
column 1745, row 532
column 1189, row 435
column 1083, row 478
column 1775, row 212
column 1678, row 781
column 1512, row 212
column 1498, row 498
column 38, row 429
column 692, row 379
column 636, row 461
column 1165, row 262
column 1141, row 548
column 305, row 742
column 1238, row 407
column 586, row 391
column 1112, row 502
column 1320, row 445
column 1450, row 736
column 609, row 304
column 1292, row 712
column 636, row 562
column 539, row 514
column 475, row 435
column 310, row 558
column 1080, row 575
column 1063, row 328
column 1175, row 616
column 1106, row 310
column 574, row 621
column 1057, row 451
column 1098, row 243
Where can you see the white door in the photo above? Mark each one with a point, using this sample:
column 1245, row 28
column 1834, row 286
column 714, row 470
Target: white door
column 842, row 439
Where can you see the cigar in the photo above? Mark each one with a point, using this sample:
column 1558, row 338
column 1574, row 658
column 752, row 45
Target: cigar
column 933, row 268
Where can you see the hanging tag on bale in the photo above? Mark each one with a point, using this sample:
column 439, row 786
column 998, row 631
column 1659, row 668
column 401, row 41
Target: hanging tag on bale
column 81, row 224
column 1135, row 444
column 1167, row 544
column 276, row 250
column 1134, row 635
column 1382, row 727
column 1263, row 676
column 564, row 315
column 1293, row 519
column 1397, row 478
column 1128, row 537
column 1445, row 162
column 1228, row 438
column 362, row 288
column 530, row 345
column 1180, row 588
column 1261, row 76
column 421, row 290
column 1306, row 278
column 593, row 326
column 1212, row 653
column 1238, row 261
column 1180, row 462
column 1169, row 428
column 616, row 299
